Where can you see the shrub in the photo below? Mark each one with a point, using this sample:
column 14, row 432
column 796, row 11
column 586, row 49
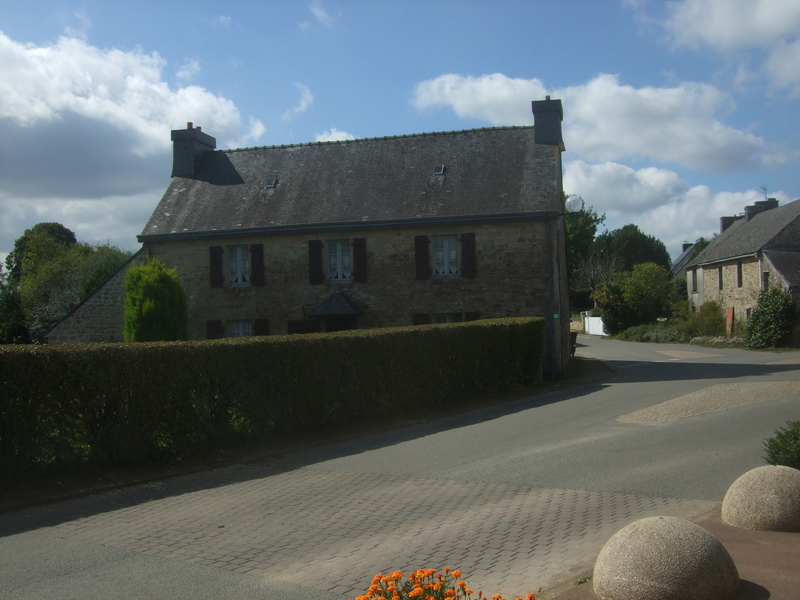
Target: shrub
column 784, row 448
column 425, row 584
column 771, row 320
column 156, row 307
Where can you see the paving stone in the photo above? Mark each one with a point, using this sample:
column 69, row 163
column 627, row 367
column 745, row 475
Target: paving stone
column 334, row 531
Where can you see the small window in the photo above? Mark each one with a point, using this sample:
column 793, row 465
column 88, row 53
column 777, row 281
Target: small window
column 739, row 274
column 719, row 276
column 339, row 263
column 238, row 265
column 238, row 328
column 694, row 281
column 765, row 281
column 438, row 169
column 445, row 256
column 448, row 318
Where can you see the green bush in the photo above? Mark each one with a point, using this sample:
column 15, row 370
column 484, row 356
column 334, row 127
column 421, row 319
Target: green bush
column 76, row 406
column 771, row 321
column 156, row 307
column 784, row 448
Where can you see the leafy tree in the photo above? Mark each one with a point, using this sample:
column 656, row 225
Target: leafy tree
column 771, row 320
column 57, row 278
column 156, row 306
column 55, row 231
column 636, row 297
column 632, row 247
column 580, row 229
column 12, row 322
column 701, row 244
column 49, row 274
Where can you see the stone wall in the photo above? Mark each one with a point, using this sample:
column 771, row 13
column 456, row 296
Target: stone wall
column 512, row 278
column 99, row 317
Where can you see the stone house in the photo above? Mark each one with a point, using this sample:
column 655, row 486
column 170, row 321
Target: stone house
column 378, row 232
column 756, row 250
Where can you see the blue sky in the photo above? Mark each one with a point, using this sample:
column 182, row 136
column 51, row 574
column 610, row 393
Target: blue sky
column 675, row 113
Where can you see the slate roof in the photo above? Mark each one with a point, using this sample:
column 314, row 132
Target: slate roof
column 787, row 264
column 496, row 171
column 680, row 263
column 745, row 238
column 337, row 304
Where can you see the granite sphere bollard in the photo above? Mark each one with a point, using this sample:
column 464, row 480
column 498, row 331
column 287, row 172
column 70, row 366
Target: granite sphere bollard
column 665, row 558
column 764, row 499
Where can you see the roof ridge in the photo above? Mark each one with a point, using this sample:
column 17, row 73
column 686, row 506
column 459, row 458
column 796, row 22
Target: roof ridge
column 385, row 137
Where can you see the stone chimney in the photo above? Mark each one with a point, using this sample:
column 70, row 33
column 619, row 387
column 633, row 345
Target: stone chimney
column 759, row 207
column 188, row 146
column 725, row 222
column 547, row 117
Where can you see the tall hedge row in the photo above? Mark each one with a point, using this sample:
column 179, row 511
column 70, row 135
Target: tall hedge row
column 67, row 407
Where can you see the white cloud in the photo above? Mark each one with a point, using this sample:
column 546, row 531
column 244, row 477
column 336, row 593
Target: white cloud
column 86, row 136
column 657, row 200
column 42, row 84
column 607, row 120
column 306, row 100
column 739, row 26
column 334, row 135
column 320, row 14
column 783, row 67
column 222, row 21
column 187, row 71
column 731, row 24
column 80, row 32
column 498, row 99
column 681, row 124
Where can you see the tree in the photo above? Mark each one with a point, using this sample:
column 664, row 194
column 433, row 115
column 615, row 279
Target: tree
column 632, row 247
column 701, row 244
column 49, row 274
column 635, row 297
column 57, row 278
column 581, row 229
column 156, row 306
column 771, row 320
column 54, row 231
column 12, row 322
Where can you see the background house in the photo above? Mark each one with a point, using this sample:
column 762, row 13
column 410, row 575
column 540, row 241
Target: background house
column 375, row 232
column 754, row 251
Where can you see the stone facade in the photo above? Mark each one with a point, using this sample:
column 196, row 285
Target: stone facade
column 99, row 317
column 512, row 278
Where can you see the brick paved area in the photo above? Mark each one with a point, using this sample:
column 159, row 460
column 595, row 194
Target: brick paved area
column 334, row 530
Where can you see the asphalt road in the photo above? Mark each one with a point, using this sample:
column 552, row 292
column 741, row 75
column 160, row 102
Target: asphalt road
column 515, row 495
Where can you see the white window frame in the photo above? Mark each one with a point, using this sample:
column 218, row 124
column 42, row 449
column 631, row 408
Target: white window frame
column 446, row 256
column 238, row 328
column 238, row 265
column 340, row 260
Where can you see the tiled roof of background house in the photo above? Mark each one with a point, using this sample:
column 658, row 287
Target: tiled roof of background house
column 743, row 238
column 491, row 171
column 787, row 264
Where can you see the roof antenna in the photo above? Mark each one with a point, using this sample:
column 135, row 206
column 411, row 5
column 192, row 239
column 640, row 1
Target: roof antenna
column 764, row 187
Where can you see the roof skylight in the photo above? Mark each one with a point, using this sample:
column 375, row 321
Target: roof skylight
column 438, row 169
column 271, row 182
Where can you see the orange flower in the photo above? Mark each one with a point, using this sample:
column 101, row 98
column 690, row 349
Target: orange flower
column 397, row 575
column 456, row 573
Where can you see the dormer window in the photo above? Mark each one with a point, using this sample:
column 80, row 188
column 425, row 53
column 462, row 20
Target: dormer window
column 438, row 169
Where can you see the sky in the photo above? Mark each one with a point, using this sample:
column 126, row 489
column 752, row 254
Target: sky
column 675, row 113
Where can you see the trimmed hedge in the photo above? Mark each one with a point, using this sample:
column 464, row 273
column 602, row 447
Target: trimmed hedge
column 75, row 406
